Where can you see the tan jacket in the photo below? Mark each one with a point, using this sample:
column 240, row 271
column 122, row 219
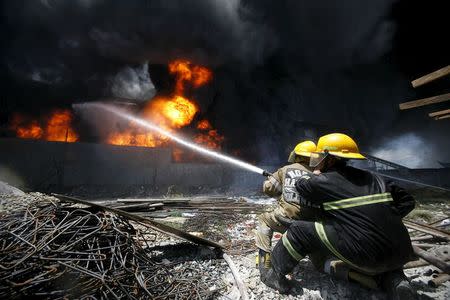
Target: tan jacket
column 282, row 184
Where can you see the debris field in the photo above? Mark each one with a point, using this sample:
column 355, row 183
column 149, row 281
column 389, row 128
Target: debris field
column 55, row 249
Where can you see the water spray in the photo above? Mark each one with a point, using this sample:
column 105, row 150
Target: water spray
column 179, row 140
column 210, row 153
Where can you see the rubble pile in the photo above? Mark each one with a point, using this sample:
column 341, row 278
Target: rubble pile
column 54, row 250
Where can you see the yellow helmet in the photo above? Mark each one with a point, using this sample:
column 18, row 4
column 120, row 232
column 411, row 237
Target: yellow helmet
column 339, row 144
column 303, row 149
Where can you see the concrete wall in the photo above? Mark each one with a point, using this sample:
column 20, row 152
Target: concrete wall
column 42, row 165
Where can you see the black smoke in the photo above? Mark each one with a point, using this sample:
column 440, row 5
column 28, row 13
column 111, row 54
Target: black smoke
column 283, row 69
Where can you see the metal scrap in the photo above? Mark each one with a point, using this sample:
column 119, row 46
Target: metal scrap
column 50, row 250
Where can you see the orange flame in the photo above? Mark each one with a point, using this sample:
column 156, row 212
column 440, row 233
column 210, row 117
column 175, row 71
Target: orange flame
column 24, row 129
column 132, row 138
column 173, row 113
column 167, row 113
column 55, row 127
column 58, row 127
column 186, row 72
column 204, row 125
column 212, row 139
column 170, row 113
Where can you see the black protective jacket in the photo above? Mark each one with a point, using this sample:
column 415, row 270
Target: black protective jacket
column 363, row 216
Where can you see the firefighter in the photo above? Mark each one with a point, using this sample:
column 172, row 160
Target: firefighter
column 361, row 223
column 282, row 186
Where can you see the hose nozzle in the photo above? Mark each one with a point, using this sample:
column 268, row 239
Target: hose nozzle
column 267, row 174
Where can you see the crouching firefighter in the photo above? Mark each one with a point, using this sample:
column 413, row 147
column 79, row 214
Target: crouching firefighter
column 282, row 186
column 361, row 224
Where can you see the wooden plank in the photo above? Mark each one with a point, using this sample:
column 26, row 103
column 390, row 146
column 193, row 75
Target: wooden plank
column 156, row 215
column 439, row 113
column 176, row 200
column 425, row 101
column 240, row 284
column 156, row 200
column 424, row 245
column 422, row 238
column 438, row 221
column 431, row 76
column 136, row 207
column 432, row 259
column 428, row 229
column 417, row 264
column 442, row 117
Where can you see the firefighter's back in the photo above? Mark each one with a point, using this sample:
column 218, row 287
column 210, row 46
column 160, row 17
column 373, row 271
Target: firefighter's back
column 359, row 220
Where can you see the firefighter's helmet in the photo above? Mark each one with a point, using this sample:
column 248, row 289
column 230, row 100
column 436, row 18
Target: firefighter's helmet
column 302, row 149
column 340, row 145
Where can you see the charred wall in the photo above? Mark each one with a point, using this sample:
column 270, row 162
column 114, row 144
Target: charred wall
column 105, row 170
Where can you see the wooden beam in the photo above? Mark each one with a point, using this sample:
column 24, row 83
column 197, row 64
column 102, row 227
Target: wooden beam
column 432, row 259
column 240, row 284
column 417, row 264
column 431, row 76
column 443, row 234
column 425, row 101
column 439, row 113
column 442, row 117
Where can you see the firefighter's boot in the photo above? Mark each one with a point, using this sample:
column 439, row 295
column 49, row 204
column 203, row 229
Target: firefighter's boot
column 341, row 270
column 263, row 262
column 397, row 286
column 276, row 281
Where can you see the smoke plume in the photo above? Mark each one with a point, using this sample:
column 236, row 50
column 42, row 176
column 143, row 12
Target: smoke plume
column 409, row 150
column 283, row 70
column 133, row 83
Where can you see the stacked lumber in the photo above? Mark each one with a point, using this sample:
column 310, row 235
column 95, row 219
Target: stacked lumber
column 437, row 115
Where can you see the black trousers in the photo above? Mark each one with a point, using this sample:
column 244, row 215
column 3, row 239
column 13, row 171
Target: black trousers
column 303, row 239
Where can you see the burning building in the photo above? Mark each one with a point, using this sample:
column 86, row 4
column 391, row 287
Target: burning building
column 173, row 113
column 129, row 161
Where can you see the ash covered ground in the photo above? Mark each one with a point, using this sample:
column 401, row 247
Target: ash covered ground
column 235, row 231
